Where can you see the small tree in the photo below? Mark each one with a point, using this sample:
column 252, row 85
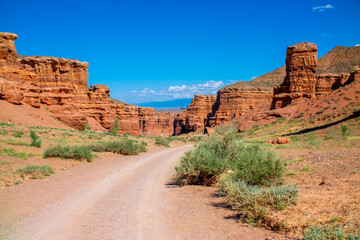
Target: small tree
column 35, row 139
column 116, row 128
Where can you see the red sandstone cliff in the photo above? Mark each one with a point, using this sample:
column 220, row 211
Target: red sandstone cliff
column 301, row 80
column 62, row 85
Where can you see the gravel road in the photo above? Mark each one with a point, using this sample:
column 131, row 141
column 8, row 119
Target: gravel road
column 118, row 197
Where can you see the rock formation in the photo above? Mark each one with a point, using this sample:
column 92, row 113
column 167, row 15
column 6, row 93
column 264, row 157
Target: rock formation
column 62, row 86
column 196, row 116
column 301, row 80
column 233, row 102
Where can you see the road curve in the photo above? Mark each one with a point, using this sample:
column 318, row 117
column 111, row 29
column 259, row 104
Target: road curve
column 115, row 198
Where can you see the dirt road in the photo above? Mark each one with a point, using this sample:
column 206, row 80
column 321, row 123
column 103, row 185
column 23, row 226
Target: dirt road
column 117, row 198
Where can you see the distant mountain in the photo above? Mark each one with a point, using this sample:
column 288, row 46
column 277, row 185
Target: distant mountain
column 173, row 104
column 338, row 60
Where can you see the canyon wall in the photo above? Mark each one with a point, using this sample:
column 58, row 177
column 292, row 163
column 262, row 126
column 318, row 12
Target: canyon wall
column 61, row 85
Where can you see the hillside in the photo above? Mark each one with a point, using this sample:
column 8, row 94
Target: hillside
column 338, row 60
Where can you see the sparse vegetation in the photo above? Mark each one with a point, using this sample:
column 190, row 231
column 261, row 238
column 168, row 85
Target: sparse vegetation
column 116, row 128
column 36, row 171
column 12, row 153
column 326, row 233
column 123, row 146
column 86, row 127
column 35, row 139
column 15, row 142
column 18, row 134
column 254, row 202
column 210, row 158
column 162, row 142
column 344, row 129
column 64, row 151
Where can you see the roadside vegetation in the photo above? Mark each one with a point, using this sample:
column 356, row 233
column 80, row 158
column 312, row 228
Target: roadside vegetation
column 123, row 146
column 248, row 175
column 35, row 171
column 65, row 151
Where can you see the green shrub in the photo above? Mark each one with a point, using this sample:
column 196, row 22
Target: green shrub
column 253, row 202
column 207, row 161
column 210, row 158
column 313, row 142
column 64, row 151
column 35, row 139
column 162, row 142
column 227, row 128
column 18, row 134
column 344, row 129
column 255, row 165
column 86, row 126
column 116, row 128
column 326, row 233
column 36, row 171
column 123, row 146
column 12, row 153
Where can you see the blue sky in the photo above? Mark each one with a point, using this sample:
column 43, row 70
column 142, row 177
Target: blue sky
column 163, row 50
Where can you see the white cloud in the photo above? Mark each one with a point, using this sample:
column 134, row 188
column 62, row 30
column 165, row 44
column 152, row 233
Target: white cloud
column 323, row 8
column 253, row 77
column 175, row 92
column 357, row 45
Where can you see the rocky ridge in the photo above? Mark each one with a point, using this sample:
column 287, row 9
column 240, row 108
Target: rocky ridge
column 62, row 86
column 299, row 81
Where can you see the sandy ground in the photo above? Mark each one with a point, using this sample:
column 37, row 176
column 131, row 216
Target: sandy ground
column 119, row 197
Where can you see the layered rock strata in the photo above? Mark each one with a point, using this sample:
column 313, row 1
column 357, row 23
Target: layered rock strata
column 196, row 115
column 301, row 80
column 62, row 86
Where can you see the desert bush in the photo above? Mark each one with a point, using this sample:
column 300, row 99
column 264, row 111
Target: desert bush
column 35, row 139
column 254, row 202
column 64, row 151
column 86, row 126
column 162, row 142
column 255, row 165
column 251, row 163
column 36, row 171
column 344, row 129
column 325, row 233
column 116, row 128
column 207, row 161
column 18, row 134
column 228, row 128
column 123, row 146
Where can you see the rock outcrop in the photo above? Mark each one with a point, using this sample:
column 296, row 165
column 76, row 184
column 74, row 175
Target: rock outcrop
column 301, row 80
column 62, row 86
column 195, row 117
column 231, row 103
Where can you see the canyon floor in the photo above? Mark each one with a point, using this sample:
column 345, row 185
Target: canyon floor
column 119, row 197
